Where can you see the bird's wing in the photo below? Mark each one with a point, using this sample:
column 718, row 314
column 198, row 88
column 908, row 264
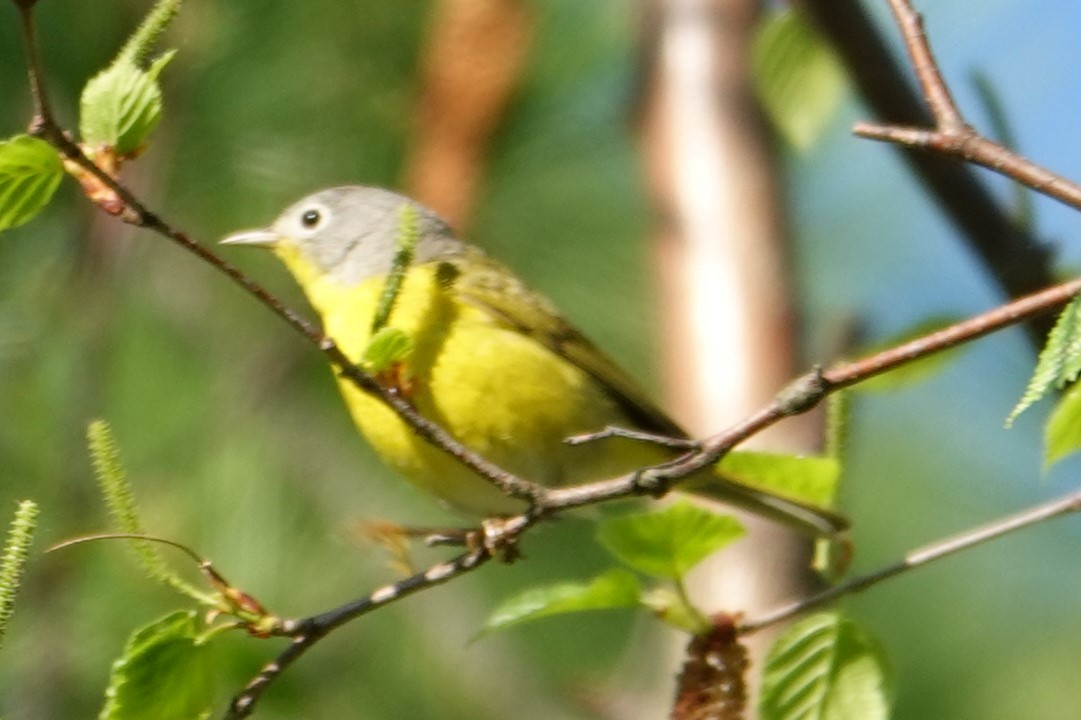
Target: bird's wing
column 484, row 283
column 480, row 281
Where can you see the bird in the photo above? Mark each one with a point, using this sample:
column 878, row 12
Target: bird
column 492, row 361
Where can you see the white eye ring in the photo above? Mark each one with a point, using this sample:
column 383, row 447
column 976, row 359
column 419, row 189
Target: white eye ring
column 313, row 218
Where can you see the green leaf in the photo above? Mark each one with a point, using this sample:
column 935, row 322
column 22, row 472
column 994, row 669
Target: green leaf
column 797, row 76
column 669, row 542
column 30, row 170
column 616, row 588
column 918, row 370
column 1060, row 360
column 387, row 347
column 1062, row 435
column 406, row 241
column 825, row 667
column 164, row 674
column 121, row 105
column 810, row 479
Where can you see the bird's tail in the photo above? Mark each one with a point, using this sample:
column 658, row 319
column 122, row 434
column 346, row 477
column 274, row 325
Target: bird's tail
column 804, row 517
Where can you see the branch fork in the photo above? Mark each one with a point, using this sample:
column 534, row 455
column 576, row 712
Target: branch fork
column 951, row 135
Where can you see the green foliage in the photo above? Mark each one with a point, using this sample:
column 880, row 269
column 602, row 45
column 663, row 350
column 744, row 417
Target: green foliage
column 164, row 673
column 408, row 234
column 810, row 479
column 1059, row 363
column 112, row 480
column 918, row 370
column 664, row 544
column 121, row 105
column 30, row 170
column 387, row 347
column 13, row 559
column 825, row 667
column 616, row 588
column 798, row 78
column 1062, row 434
column 668, row 543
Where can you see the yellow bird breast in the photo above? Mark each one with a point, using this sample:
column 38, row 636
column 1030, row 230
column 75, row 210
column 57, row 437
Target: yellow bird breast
column 498, row 391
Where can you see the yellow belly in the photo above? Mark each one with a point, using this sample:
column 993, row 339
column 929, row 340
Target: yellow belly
column 501, row 393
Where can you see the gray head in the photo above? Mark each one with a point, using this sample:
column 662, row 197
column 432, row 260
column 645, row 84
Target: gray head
column 351, row 232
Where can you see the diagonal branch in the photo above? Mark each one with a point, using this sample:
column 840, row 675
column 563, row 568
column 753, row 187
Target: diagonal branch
column 1058, row 507
column 805, row 393
column 935, row 92
column 307, row 632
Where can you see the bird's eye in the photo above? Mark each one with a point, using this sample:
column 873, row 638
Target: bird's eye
column 310, row 218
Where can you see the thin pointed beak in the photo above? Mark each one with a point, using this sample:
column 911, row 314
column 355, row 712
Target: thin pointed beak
column 261, row 238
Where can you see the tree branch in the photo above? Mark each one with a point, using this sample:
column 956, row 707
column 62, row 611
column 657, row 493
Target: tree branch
column 949, row 134
column 307, row 632
column 805, row 393
column 918, row 558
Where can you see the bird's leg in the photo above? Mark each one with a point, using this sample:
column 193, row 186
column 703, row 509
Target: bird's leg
column 396, row 538
column 499, row 537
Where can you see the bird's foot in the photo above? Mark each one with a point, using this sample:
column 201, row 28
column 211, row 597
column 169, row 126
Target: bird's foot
column 499, row 538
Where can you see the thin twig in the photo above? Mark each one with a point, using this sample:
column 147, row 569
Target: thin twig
column 951, row 135
column 35, row 71
column 936, row 92
column 918, row 558
column 962, row 332
column 305, row 633
column 612, row 431
column 974, row 148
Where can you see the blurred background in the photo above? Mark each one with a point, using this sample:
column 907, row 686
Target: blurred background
column 238, row 445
